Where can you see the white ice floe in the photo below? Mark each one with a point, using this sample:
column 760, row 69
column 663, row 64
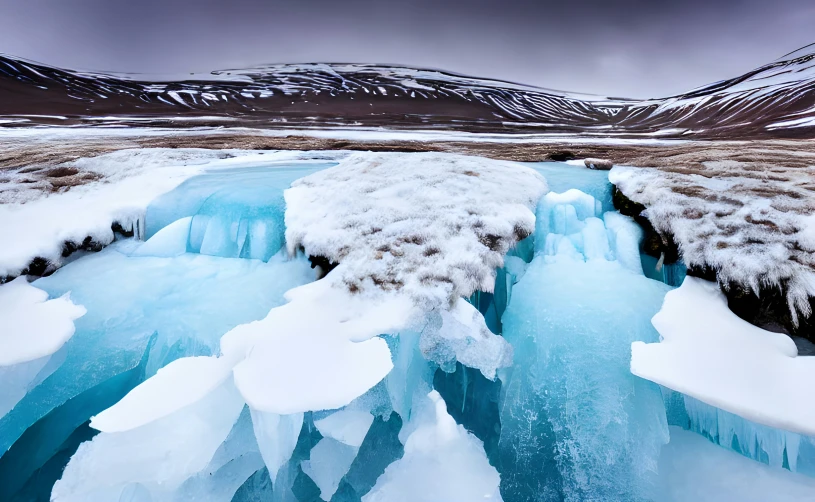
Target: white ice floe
column 442, row 461
column 709, row 353
column 32, row 325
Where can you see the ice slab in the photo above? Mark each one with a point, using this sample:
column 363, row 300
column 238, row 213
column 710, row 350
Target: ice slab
column 329, row 461
column 154, row 459
column 347, row 426
column 442, row 461
column 692, row 469
column 175, row 386
column 709, row 353
column 33, row 326
column 562, row 176
column 339, row 346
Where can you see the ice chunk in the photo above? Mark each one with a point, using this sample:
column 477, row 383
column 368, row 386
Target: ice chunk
column 175, row 386
column 169, row 241
column 346, row 426
column 463, row 336
column 276, row 436
column 329, row 461
column 692, row 469
column 708, row 353
column 154, row 459
column 340, row 347
column 442, row 461
column 33, row 326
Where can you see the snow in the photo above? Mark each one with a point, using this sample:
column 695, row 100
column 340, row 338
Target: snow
column 753, row 228
column 709, row 353
column 692, row 469
column 33, row 326
column 442, row 461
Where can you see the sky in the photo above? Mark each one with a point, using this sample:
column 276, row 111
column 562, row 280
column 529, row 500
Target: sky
column 622, row 48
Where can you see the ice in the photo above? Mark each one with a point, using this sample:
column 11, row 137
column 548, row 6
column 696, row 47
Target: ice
column 462, row 335
column 330, row 460
column 692, row 469
column 33, row 326
column 276, row 436
column 575, row 424
column 347, row 426
column 235, row 212
column 442, row 461
column 154, row 459
column 340, row 346
column 143, row 312
column 175, row 386
column 775, row 447
column 722, row 360
column 168, row 242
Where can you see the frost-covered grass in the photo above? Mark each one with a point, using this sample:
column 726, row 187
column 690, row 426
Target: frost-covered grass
column 750, row 222
column 433, row 225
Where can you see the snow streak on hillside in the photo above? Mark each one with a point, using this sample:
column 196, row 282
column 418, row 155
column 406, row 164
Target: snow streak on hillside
column 775, row 100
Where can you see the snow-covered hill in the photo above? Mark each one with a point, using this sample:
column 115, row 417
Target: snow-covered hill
column 776, row 100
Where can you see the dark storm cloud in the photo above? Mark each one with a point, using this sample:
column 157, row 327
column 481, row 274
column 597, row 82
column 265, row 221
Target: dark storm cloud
column 630, row 47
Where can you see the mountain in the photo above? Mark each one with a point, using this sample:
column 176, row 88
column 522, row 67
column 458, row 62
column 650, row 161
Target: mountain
column 776, row 100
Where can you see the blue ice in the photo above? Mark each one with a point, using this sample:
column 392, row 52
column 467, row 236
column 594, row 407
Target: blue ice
column 575, row 424
column 149, row 303
column 236, row 213
column 775, row 447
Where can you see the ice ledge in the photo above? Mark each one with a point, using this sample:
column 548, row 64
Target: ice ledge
column 710, row 354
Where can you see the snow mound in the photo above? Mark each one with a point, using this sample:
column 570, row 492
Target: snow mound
column 433, row 225
column 33, row 325
column 708, row 353
column 442, row 461
column 752, row 223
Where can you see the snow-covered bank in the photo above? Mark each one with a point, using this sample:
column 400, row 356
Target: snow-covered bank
column 751, row 223
column 34, row 224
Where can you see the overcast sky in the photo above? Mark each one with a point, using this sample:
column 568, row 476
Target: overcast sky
column 631, row 48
